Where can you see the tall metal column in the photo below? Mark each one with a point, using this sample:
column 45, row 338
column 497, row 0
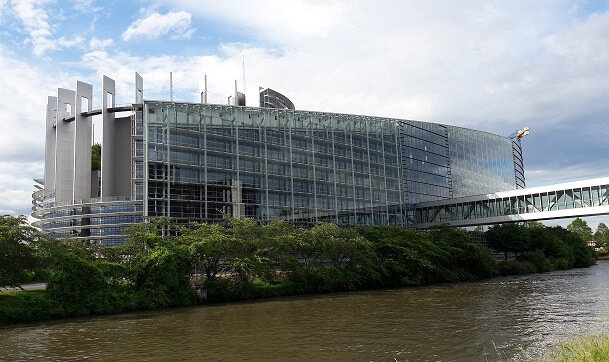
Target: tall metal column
column 82, row 142
column 50, row 146
column 108, row 138
column 64, row 156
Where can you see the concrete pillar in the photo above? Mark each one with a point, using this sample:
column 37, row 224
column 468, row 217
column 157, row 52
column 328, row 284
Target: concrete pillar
column 108, row 136
column 50, row 145
column 83, row 134
column 64, row 156
column 122, row 156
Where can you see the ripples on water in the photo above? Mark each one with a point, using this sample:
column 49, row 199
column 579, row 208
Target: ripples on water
column 483, row 321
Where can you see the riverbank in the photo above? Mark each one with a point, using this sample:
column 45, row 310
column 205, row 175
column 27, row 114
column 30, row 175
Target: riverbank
column 249, row 261
column 483, row 320
column 581, row 349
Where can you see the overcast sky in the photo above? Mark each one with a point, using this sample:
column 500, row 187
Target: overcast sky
column 494, row 66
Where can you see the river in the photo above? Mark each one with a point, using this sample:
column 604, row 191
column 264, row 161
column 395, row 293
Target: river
column 491, row 320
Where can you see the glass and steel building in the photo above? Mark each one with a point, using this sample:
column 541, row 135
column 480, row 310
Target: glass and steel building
column 204, row 162
column 272, row 99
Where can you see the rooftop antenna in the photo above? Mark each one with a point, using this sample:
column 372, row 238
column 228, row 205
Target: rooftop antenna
column 204, row 93
column 243, row 58
column 171, row 86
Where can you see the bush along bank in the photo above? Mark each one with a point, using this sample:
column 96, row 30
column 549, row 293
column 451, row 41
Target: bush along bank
column 539, row 248
column 246, row 260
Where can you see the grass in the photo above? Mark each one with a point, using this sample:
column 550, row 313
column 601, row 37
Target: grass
column 583, row 349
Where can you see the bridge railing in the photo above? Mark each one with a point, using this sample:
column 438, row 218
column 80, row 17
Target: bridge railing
column 541, row 203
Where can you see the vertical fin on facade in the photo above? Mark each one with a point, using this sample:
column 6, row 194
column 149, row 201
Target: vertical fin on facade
column 139, row 89
column 64, row 161
column 108, row 136
column 83, row 140
column 50, row 145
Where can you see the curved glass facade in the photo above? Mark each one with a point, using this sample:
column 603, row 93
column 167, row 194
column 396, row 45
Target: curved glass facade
column 203, row 162
column 207, row 161
column 481, row 162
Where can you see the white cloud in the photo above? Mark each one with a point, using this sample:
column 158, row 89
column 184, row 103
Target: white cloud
column 461, row 64
column 85, row 6
column 34, row 18
column 16, row 186
column 2, row 8
column 154, row 25
column 76, row 41
column 548, row 176
column 100, row 44
column 496, row 67
column 22, row 103
column 272, row 19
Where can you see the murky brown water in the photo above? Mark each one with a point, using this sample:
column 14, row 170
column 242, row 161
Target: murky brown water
column 489, row 320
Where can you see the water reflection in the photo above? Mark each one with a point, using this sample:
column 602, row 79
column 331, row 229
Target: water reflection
column 488, row 320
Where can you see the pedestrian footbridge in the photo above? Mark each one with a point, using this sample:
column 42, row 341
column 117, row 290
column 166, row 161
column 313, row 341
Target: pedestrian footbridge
column 565, row 200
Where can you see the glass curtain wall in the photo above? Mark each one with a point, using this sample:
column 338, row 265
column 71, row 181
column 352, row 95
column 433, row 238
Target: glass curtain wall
column 427, row 172
column 206, row 162
column 480, row 162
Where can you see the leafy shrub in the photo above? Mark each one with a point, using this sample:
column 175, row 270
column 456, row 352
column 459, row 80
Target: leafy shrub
column 77, row 284
column 516, row 267
column 538, row 258
column 163, row 277
column 28, row 306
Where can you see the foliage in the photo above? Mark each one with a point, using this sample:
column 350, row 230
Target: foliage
column 508, row 238
column 162, row 264
column 407, row 257
column 535, row 224
column 162, row 277
column 96, row 157
column 472, row 258
column 28, row 306
column 17, row 240
column 516, row 267
column 75, row 282
column 157, row 266
column 601, row 236
column 580, row 227
column 539, row 260
column 546, row 248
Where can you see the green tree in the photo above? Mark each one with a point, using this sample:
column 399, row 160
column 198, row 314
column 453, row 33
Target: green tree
column 583, row 255
column 580, row 227
column 77, row 284
column 162, row 277
column 209, row 246
column 535, row 224
column 96, row 157
column 251, row 251
column 344, row 248
column 407, row 257
column 601, row 236
column 553, row 247
column 508, row 238
column 17, row 259
column 468, row 260
column 142, row 238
